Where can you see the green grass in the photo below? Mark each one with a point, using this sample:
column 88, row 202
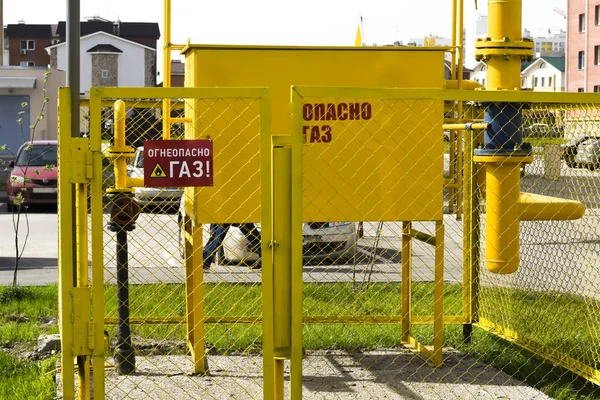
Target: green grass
column 550, row 319
column 25, row 379
column 24, row 315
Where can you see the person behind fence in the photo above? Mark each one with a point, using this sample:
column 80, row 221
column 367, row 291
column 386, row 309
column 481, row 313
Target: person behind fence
column 217, row 236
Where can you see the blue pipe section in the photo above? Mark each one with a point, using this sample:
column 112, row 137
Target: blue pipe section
column 504, row 135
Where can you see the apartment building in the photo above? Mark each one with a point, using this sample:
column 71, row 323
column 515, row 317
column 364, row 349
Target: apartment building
column 583, row 46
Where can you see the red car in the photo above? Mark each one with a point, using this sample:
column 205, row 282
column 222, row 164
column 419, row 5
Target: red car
column 34, row 174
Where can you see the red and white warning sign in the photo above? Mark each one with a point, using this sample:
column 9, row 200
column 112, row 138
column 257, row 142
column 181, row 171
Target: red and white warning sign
column 178, row 163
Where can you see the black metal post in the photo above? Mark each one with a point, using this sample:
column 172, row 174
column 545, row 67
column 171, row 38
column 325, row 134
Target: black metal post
column 124, row 352
column 467, row 333
column 123, row 213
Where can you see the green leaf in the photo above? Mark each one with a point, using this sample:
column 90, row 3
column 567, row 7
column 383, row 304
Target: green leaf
column 49, row 167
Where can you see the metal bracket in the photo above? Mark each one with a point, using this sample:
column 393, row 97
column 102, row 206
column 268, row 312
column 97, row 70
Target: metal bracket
column 81, row 319
column 80, row 163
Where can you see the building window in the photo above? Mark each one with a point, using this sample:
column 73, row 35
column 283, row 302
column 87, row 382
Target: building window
column 543, row 65
column 27, row 64
column 535, row 81
column 550, row 82
column 543, row 82
column 596, row 55
column 597, row 15
column 597, row 88
column 27, row 45
column 581, row 60
column 483, row 82
column 581, row 23
column 104, row 74
column 580, row 90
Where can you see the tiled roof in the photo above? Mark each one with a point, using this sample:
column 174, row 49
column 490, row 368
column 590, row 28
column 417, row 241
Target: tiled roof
column 147, row 29
column 104, row 48
column 87, row 28
column 28, row 31
column 140, row 29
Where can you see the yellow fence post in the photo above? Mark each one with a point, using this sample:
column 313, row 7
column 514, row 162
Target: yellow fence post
column 406, row 281
column 281, row 274
column 97, row 244
column 296, row 275
column 438, row 312
column 194, row 284
column 66, row 257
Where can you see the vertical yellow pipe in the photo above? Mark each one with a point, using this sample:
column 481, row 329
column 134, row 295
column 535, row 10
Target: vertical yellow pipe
column 65, row 245
column 297, row 279
column 167, row 70
column 120, row 162
column 406, row 281
column 438, row 306
column 81, row 215
column 460, row 133
column 454, row 48
column 467, row 208
column 504, row 23
column 502, row 216
column 97, row 247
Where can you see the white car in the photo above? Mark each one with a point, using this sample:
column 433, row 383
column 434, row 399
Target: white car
column 588, row 154
column 323, row 241
column 150, row 196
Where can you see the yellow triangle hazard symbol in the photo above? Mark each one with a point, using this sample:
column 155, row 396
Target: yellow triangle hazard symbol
column 158, row 172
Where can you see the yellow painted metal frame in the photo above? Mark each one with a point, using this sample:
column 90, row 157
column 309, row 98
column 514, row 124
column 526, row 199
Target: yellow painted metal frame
column 82, row 332
column 81, row 305
column 78, row 175
column 433, row 356
column 585, row 371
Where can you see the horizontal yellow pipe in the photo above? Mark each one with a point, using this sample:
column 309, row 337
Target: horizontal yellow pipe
column 536, row 207
column 466, row 127
column 135, row 182
column 465, row 85
column 180, row 120
column 307, row 319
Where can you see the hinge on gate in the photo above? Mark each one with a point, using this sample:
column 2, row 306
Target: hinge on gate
column 82, row 324
column 91, row 336
column 81, row 160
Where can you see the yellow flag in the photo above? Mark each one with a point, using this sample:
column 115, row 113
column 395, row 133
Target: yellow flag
column 358, row 39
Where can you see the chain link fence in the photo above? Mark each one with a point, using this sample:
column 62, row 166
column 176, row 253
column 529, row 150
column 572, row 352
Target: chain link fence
column 161, row 296
column 373, row 176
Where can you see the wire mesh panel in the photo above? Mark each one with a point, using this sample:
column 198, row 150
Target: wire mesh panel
column 384, row 258
column 352, row 305
column 156, row 355
column 550, row 304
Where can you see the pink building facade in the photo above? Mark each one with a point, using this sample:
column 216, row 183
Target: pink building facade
column 583, row 46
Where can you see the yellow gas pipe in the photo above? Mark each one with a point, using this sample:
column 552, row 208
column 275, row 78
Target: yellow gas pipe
column 503, row 50
column 120, row 153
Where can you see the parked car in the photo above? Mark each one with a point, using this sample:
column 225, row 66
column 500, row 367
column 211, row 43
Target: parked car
column 588, row 154
column 543, row 130
column 323, row 241
column 569, row 150
column 151, row 196
column 34, row 175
